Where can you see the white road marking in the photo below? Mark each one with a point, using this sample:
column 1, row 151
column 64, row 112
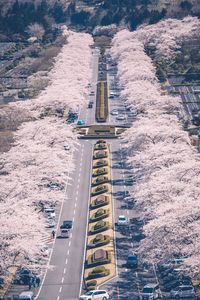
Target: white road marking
column 68, row 252
column 60, row 290
column 73, row 219
column 70, row 242
column 62, row 279
column 64, row 271
column 74, row 211
column 75, row 204
column 58, row 298
column 66, row 261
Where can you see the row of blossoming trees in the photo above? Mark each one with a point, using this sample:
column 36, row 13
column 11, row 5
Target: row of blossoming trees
column 166, row 166
column 37, row 157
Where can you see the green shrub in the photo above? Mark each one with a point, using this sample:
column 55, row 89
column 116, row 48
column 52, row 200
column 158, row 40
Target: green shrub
column 91, row 283
column 100, row 180
column 98, row 272
column 91, row 288
column 99, row 215
column 100, row 190
column 99, row 241
column 96, row 204
column 101, row 163
column 100, row 172
column 99, row 227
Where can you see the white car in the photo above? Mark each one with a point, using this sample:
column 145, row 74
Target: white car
column 121, row 117
column 95, row 295
column 114, row 112
column 122, row 220
column 67, row 147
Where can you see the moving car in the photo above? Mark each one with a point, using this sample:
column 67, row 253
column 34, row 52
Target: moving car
column 64, row 233
column 183, row 291
column 95, row 295
column 67, row 224
column 80, row 122
column 122, row 220
column 120, row 117
column 150, row 292
column 132, row 261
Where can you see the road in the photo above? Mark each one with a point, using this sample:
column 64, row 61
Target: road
column 63, row 280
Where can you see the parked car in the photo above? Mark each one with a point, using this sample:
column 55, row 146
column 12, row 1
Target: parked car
column 183, row 291
column 132, row 261
column 90, row 104
column 80, row 122
column 172, row 263
column 150, row 292
column 50, row 223
column 49, row 212
column 122, row 220
column 28, row 295
column 114, row 112
column 67, row 147
column 120, row 117
column 95, row 295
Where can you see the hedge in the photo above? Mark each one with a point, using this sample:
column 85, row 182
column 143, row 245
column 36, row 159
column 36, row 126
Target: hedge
column 99, row 227
column 99, row 240
column 100, row 190
column 100, row 180
column 93, row 205
column 100, row 147
column 97, row 155
column 99, row 215
column 100, row 172
column 101, row 163
column 98, row 272
column 101, row 102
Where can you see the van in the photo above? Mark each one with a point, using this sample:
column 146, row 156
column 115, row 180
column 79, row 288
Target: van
column 150, row 292
column 26, row 296
column 64, row 233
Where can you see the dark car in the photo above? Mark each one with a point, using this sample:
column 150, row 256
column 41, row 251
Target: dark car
column 67, row 224
column 132, row 261
column 90, row 105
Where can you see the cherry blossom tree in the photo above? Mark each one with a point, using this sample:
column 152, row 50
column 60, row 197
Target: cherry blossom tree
column 38, row 156
column 165, row 164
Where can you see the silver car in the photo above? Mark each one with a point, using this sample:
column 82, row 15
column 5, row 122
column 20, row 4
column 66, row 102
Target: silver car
column 183, row 291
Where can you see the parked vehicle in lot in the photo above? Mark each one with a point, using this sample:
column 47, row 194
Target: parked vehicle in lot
column 67, row 224
column 80, row 122
column 120, row 117
column 67, row 147
column 90, row 104
column 64, row 233
column 95, row 295
column 26, row 295
column 132, row 261
column 172, row 263
column 122, row 220
column 50, row 223
column 114, row 112
column 49, row 212
column 91, row 93
column 183, row 291
column 150, row 292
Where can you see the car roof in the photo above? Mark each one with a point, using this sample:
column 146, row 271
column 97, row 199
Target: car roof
column 27, row 293
column 122, row 216
column 151, row 285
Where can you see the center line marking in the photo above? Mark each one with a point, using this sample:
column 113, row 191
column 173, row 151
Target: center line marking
column 66, row 261
column 60, row 290
column 58, row 298
column 69, row 243
column 62, row 279
column 68, row 252
column 64, row 271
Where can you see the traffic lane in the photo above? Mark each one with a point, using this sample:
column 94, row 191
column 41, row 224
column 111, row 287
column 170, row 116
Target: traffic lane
column 53, row 277
column 123, row 286
column 74, row 266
